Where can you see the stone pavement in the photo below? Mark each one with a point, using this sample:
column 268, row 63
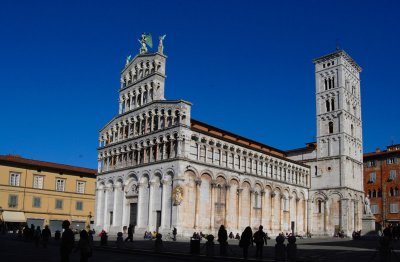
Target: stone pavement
column 325, row 249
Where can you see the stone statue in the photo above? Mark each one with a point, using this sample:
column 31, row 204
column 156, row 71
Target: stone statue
column 177, row 195
column 367, row 206
column 161, row 44
column 145, row 41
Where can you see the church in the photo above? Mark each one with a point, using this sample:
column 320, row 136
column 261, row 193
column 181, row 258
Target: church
column 159, row 169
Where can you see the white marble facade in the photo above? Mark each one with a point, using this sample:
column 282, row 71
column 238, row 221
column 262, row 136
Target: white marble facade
column 159, row 169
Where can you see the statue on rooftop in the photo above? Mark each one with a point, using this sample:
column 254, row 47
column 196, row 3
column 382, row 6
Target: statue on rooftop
column 145, row 41
column 161, row 44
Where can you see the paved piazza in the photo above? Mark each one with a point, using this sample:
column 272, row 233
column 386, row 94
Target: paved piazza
column 325, row 249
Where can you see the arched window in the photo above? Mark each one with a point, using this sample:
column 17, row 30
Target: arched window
column 330, row 83
column 326, row 84
column 328, row 107
column 319, row 206
column 333, row 104
column 330, row 127
column 333, row 82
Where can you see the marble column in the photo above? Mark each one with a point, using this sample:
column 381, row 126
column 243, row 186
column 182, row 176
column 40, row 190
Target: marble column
column 142, row 206
column 262, row 206
column 166, row 205
column 212, row 207
column 239, row 210
column 197, row 204
column 151, row 222
column 251, row 194
column 106, row 221
column 99, row 207
column 271, row 226
column 227, row 203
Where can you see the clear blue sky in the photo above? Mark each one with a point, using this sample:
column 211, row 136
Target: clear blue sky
column 245, row 65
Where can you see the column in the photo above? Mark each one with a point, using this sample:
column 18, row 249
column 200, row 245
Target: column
column 282, row 198
column 262, row 206
column 106, row 221
column 141, row 208
column 273, row 194
column 227, row 202
column 297, row 214
column 325, row 215
column 197, row 204
column 99, row 207
column 120, row 107
column 308, row 214
column 212, row 205
column 151, row 206
column 239, row 210
column 125, row 210
column 117, row 208
column 251, row 192
column 166, row 204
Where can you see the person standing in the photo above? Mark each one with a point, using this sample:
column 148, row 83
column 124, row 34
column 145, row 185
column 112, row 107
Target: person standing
column 37, row 235
column 246, row 240
column 223, row 240
column 84, row 246
column 174, row 232
column 46, row 234
column 260, row 238
column 130, row 234
column 67, row 242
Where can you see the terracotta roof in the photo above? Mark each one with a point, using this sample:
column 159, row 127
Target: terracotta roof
column 226, row 135
column 14, row 159
column 381, row 153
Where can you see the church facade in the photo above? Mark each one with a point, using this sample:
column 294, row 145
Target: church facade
column 159, row 168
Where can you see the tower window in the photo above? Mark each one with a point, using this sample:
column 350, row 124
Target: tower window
column 330, row 83
column 333, row 104
column 326, row 84
column 328, row 106
column 330, row 127
column 333, row 82
column 352, row 130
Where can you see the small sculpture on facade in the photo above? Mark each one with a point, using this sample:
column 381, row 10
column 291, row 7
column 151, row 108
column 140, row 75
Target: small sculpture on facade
column 161, row 44
column 128, row 59
column 367, row 206
column 177, row 195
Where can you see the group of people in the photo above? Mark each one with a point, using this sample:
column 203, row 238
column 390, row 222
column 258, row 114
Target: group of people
column 392, row 232
column 246, row 240
column 67, row 245
column 36, row 234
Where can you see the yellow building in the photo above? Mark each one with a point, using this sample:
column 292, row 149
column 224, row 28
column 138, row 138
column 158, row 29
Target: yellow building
column 44, row 193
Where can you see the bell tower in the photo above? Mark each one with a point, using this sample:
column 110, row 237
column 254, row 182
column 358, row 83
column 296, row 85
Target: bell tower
column 339, row 127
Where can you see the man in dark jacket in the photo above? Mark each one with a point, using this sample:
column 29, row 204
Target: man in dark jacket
column 67, row 242
column 260, row 238
column 130, row 233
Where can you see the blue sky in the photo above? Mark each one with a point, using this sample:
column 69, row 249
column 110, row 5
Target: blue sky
column 245, row 65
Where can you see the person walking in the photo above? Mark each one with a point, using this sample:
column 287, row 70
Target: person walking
column 46, row 234
column 67, row 242
column 223, row 240
column 130, row 233
column 246, row 240
column 174, row 233
column 260, row 238
column 84, row 246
